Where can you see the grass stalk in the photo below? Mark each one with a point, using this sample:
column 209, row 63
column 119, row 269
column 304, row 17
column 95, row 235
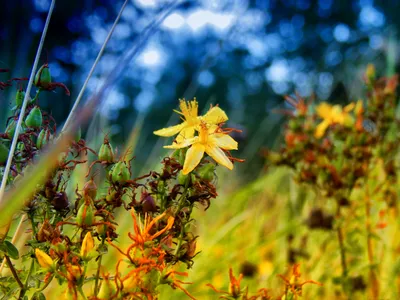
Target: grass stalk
column 25, row 103
column 99, row 55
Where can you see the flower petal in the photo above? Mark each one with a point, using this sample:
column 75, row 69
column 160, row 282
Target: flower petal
column 226, row 142
column 185, row 134
column 324, row 110
column 321, row 128
column 193, row 157
column 215, row 116
column 170, row 131
column 183, row 144
column 349, row 107
column 219, row 156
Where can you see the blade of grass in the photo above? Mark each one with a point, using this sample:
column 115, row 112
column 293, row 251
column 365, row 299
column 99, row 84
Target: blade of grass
column 25, row 103
column 99, row 55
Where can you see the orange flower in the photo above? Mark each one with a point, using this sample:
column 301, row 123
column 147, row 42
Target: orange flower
column 292, row 284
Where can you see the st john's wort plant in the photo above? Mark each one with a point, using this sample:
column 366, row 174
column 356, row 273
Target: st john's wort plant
column 347, row 155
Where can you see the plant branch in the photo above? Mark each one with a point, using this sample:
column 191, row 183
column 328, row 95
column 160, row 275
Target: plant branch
column 13, row 271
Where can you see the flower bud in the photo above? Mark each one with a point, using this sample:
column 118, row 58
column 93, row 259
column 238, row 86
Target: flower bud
column 85, row 215
column 44, row 260
column 19, row 98
column 90, row 189
column 10, row 130
column 102, row 230
column 206, row 172
column 74, row 273
column 148, row 203
column 3, row 154
column 43, row 138
column 182, row 178
column 43, row 77
column 34, row 119
column 120, row 172
column 87, row 245
column 107, row 290
column 60, row 201
column 106, row 153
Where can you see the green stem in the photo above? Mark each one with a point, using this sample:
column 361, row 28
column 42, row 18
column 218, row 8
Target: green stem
column 13, row 271
column 45, row 285
column 96, row 283
column 80, row 290
column 341, row 245
column 181, row 201
column 25, row 288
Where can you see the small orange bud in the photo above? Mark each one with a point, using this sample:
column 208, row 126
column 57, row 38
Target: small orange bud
column 87, row 245
column 44, row 260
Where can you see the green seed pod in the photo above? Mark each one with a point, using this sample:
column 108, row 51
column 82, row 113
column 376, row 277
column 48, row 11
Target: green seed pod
column 206, row 172
column 43, row 138
column 43, row 77
column 120, row 172
column 106, row 153
column 19, row 98
column 102, row 230
column 3, row 154
column 10, row 130
column 107, row 289
column 85, row 215
column 34, row 119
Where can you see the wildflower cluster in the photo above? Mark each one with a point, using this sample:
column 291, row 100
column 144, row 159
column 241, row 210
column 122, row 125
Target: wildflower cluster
column 71, row 233
column 347, row 154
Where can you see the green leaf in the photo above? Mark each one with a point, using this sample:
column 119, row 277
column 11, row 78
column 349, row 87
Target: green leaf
column 12, row 251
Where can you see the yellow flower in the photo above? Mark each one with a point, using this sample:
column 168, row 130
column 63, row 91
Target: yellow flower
column 333, row 115
column 210, row 141
column 191, row 120
column 44, row 260
column 87, row 245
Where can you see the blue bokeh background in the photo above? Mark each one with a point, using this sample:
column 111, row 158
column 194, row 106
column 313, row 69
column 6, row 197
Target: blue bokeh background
column 244, row 55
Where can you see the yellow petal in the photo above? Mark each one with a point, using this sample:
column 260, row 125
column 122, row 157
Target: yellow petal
column 44, row 259
column 87, row 244
column 185, row 134
column 183, row 144
column 225, row 142
column 170, row 131
column 324, row 110
column 321, row 128
column 193, row 157
column 215, row 116
column 359, row 109
column 349, row 107
column 219, row 156
column 189, row 109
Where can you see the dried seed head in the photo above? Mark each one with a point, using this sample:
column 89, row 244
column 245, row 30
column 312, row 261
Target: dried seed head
column 90, row 189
